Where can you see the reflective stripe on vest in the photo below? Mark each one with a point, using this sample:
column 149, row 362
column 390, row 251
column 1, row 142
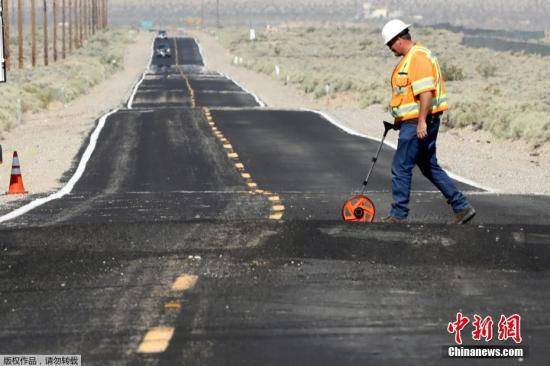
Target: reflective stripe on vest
column 412, row 110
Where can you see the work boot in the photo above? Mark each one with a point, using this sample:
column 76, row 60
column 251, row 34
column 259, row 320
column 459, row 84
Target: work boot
column 393, row 220
column 463, row 216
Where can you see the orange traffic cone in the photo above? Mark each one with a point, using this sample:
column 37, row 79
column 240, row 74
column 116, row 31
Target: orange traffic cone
column 16, row 180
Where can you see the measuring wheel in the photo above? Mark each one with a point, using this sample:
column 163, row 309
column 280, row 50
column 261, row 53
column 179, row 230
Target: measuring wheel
column 358, row 209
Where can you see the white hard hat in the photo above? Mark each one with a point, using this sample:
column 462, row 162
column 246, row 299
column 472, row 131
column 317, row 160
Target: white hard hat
column 392, row 29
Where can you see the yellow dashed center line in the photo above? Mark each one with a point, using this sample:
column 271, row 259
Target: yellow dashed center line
column 156, row 340
column 172, row 305
column 184, row 282
column 276, row 216
column 277, row 207
column 191, row 91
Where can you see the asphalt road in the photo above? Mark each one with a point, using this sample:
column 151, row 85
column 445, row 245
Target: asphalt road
column 206, row 217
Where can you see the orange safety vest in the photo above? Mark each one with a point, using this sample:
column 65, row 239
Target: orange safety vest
column 417, row 72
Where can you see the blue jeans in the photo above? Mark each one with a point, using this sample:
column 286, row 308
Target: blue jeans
column 410, row 151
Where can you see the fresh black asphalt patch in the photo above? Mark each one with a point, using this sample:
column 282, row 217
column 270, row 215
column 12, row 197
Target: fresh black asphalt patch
column 268, row 292
column 89, row 273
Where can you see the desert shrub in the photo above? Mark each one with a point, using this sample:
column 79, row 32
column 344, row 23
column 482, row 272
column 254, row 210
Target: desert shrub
column 487, row 70
column 363, row 44
column 319, row 91
column 67, row 79
column 452, row 72
column 370, row 98
column 353, row 62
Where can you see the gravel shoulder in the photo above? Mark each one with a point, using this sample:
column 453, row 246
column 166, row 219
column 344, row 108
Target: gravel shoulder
column 48, row 142
column 502, row 166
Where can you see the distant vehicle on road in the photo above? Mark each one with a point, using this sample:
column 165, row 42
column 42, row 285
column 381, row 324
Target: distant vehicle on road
column 163, row 50
column 162, row 34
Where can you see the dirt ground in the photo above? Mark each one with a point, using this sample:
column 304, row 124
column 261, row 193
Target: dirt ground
column 48, row 142
column 502, row 166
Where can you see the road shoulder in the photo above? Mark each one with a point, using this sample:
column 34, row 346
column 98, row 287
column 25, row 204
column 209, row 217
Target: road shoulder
column 48, row 142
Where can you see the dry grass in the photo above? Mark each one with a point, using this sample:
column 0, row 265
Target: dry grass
column 499, row 92
column 65, row 80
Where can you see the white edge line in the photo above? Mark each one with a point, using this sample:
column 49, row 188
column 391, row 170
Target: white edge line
column 258, row 100
column 71, row 183
column 134, row 91
column 393, row 146
column 200, row 53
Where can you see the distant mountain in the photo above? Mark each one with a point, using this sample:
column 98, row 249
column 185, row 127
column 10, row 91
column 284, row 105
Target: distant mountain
column 489, row 14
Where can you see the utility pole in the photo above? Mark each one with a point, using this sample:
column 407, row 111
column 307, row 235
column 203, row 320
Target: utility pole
column 80, row 23
column 218, row 13
column 63, row 19
column 54, row 10
column 86, row 20
column 71, row 19
column 20, row 32
column 6, row 25
column 202, row 14
column 94, row 16
column 33, row 33
column 106, row 13
column 45, row 26
column 77, row 15
column 84, row 23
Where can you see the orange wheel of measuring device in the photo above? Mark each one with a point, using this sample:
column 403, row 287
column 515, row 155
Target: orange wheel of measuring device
column 358, row 209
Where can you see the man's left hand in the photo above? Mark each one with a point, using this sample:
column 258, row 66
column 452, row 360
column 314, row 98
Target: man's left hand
column 421, row 129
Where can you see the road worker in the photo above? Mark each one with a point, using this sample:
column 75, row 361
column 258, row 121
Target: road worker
column 418, row 100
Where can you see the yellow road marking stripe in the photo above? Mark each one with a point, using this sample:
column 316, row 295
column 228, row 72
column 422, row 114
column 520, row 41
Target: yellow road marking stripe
column 184, row 282
column 172, row 305
column 277, row 209
column 156, row 340
column 276, row 216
